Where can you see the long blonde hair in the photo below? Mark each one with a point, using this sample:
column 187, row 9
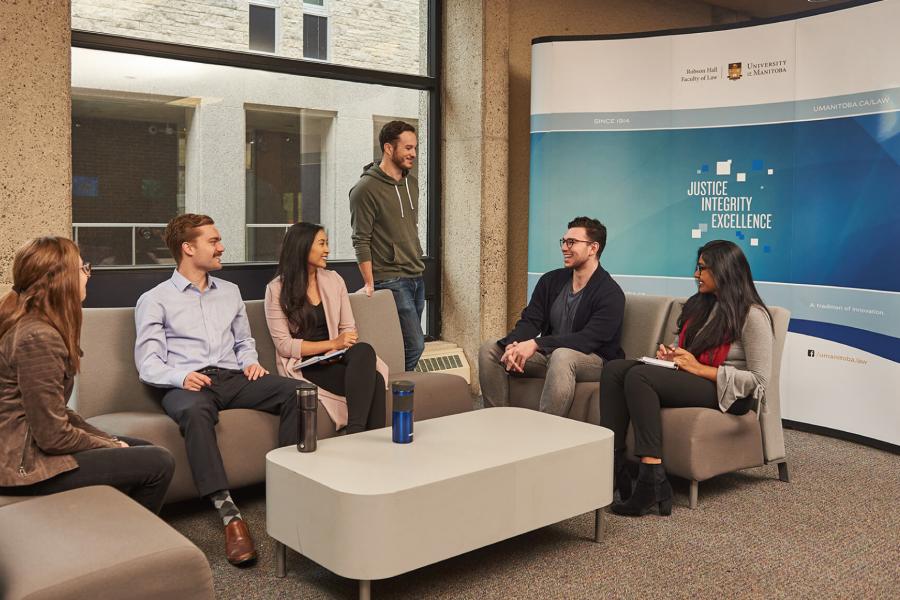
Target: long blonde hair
column 47, row 285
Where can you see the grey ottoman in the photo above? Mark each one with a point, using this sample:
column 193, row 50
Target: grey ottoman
column 95, row 543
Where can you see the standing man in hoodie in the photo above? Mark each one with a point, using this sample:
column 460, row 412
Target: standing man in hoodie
column 384, row 214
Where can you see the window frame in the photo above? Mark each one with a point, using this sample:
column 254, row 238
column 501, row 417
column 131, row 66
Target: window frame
column 327, row 33
column 323, row 11
column 117, row 282
column 276, row 8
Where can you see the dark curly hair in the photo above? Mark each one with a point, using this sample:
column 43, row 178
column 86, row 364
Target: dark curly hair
column 596, row 231
column 391, row 131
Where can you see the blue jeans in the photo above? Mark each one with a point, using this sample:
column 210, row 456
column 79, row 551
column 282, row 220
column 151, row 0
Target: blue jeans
column 409, row 294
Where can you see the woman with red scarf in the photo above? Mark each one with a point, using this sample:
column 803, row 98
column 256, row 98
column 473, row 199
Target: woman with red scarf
column 723, row 359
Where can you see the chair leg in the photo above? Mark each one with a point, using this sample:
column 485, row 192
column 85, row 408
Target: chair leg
column 695, row 491
column 783, row 473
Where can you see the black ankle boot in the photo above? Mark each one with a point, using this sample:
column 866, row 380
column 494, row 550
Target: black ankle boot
column 622, row 482
column 652, row 489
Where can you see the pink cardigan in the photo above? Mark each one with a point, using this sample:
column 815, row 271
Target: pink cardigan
column 339, row 318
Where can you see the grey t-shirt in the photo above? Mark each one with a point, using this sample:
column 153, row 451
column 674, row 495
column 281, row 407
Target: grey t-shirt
column 562, row 311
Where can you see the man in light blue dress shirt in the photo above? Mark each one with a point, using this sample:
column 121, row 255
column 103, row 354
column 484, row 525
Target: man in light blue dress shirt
column 194, row 338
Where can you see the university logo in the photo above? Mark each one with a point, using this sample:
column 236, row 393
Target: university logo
column 734, row 71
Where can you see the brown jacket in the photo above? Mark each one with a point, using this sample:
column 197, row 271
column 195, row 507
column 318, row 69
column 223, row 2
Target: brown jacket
column 38, row 432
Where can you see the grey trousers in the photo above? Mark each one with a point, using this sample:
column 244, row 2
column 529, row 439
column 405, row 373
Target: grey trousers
column 560, row 370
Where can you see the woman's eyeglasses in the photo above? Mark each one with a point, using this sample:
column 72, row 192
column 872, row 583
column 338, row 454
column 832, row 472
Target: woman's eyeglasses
column 569, row 242
column 86, row 269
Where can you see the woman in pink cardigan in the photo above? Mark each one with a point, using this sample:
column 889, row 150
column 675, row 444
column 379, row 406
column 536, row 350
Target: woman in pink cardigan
column 308, row 314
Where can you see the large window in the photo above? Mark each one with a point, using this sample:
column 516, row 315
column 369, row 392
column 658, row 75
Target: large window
column 210, row 107
column 288, row 170
column 255, row 150
column 128, row 175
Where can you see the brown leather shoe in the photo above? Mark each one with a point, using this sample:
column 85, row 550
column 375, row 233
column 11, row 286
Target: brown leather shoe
column 238, row 543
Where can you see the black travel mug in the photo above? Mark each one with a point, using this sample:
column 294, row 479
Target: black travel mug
column 307, row 405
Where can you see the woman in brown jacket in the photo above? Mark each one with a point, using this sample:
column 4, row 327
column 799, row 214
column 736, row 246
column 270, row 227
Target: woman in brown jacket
column 46, row 447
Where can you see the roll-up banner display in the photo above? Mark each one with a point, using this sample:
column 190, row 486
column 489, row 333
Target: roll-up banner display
column 782, row 137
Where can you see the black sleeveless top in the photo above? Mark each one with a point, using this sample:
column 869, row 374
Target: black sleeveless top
column 319, row 331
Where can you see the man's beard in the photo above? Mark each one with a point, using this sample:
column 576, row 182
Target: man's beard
column 398, row 162
column 577, row 263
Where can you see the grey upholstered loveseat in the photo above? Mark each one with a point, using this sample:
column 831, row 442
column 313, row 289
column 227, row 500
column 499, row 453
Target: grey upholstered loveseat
column 109, row 394
column 698, row 443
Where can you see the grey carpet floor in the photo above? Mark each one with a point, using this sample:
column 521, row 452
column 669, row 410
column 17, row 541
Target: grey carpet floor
column 833, row 532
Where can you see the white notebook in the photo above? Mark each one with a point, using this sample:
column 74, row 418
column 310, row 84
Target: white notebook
column 668, row 364
column 319, row 358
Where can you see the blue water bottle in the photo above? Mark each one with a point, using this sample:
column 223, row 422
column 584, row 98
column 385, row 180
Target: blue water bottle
column 402, row 422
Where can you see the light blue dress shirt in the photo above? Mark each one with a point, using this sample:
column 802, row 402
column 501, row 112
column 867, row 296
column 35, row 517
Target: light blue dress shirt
column 181, row 329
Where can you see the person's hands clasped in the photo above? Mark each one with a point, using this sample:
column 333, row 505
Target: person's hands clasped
column 517, row 354
column 196, row 381
column 346, row 339
column 255, row 371
column 686, row 361
column 505, row 358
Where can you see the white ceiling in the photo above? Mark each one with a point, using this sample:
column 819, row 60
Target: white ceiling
column 762, row 9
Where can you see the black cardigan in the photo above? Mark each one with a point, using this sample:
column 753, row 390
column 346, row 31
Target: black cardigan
column 596, row 327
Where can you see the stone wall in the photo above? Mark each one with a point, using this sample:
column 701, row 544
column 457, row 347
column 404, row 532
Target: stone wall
column 373, row 34
column 382, row 35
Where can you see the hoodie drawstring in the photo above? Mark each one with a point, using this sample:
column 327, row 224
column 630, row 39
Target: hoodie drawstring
column 397, row 189
column 400, row 200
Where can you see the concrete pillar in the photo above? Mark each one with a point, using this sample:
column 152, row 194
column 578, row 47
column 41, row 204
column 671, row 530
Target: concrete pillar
column 475, row 153
column 35, row 125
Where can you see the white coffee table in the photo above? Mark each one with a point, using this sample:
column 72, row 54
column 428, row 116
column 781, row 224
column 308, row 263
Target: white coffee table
column 366, row 508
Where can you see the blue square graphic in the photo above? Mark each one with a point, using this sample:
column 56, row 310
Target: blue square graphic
column 704, row 168
column 757, row 164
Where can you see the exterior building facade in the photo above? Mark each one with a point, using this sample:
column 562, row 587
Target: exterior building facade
column 153, row 137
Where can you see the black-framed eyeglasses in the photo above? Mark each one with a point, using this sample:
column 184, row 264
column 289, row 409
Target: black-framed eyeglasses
column 701, row 268
column 569, row 242
column 86, row 269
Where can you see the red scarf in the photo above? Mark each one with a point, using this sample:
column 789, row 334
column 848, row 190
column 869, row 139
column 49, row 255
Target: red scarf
column 712, row 357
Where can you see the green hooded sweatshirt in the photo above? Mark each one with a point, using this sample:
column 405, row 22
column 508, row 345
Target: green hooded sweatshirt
column 384, row 214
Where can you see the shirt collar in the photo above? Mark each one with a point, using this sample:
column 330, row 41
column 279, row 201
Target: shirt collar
column 182, row 283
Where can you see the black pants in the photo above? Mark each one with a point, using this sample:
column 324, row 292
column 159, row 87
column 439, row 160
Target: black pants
column 629, row 389
column 355, row 378
column 198, row 412
column 141, row 471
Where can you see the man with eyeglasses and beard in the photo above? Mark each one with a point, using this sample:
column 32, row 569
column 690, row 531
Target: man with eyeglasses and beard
column 570, row 328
